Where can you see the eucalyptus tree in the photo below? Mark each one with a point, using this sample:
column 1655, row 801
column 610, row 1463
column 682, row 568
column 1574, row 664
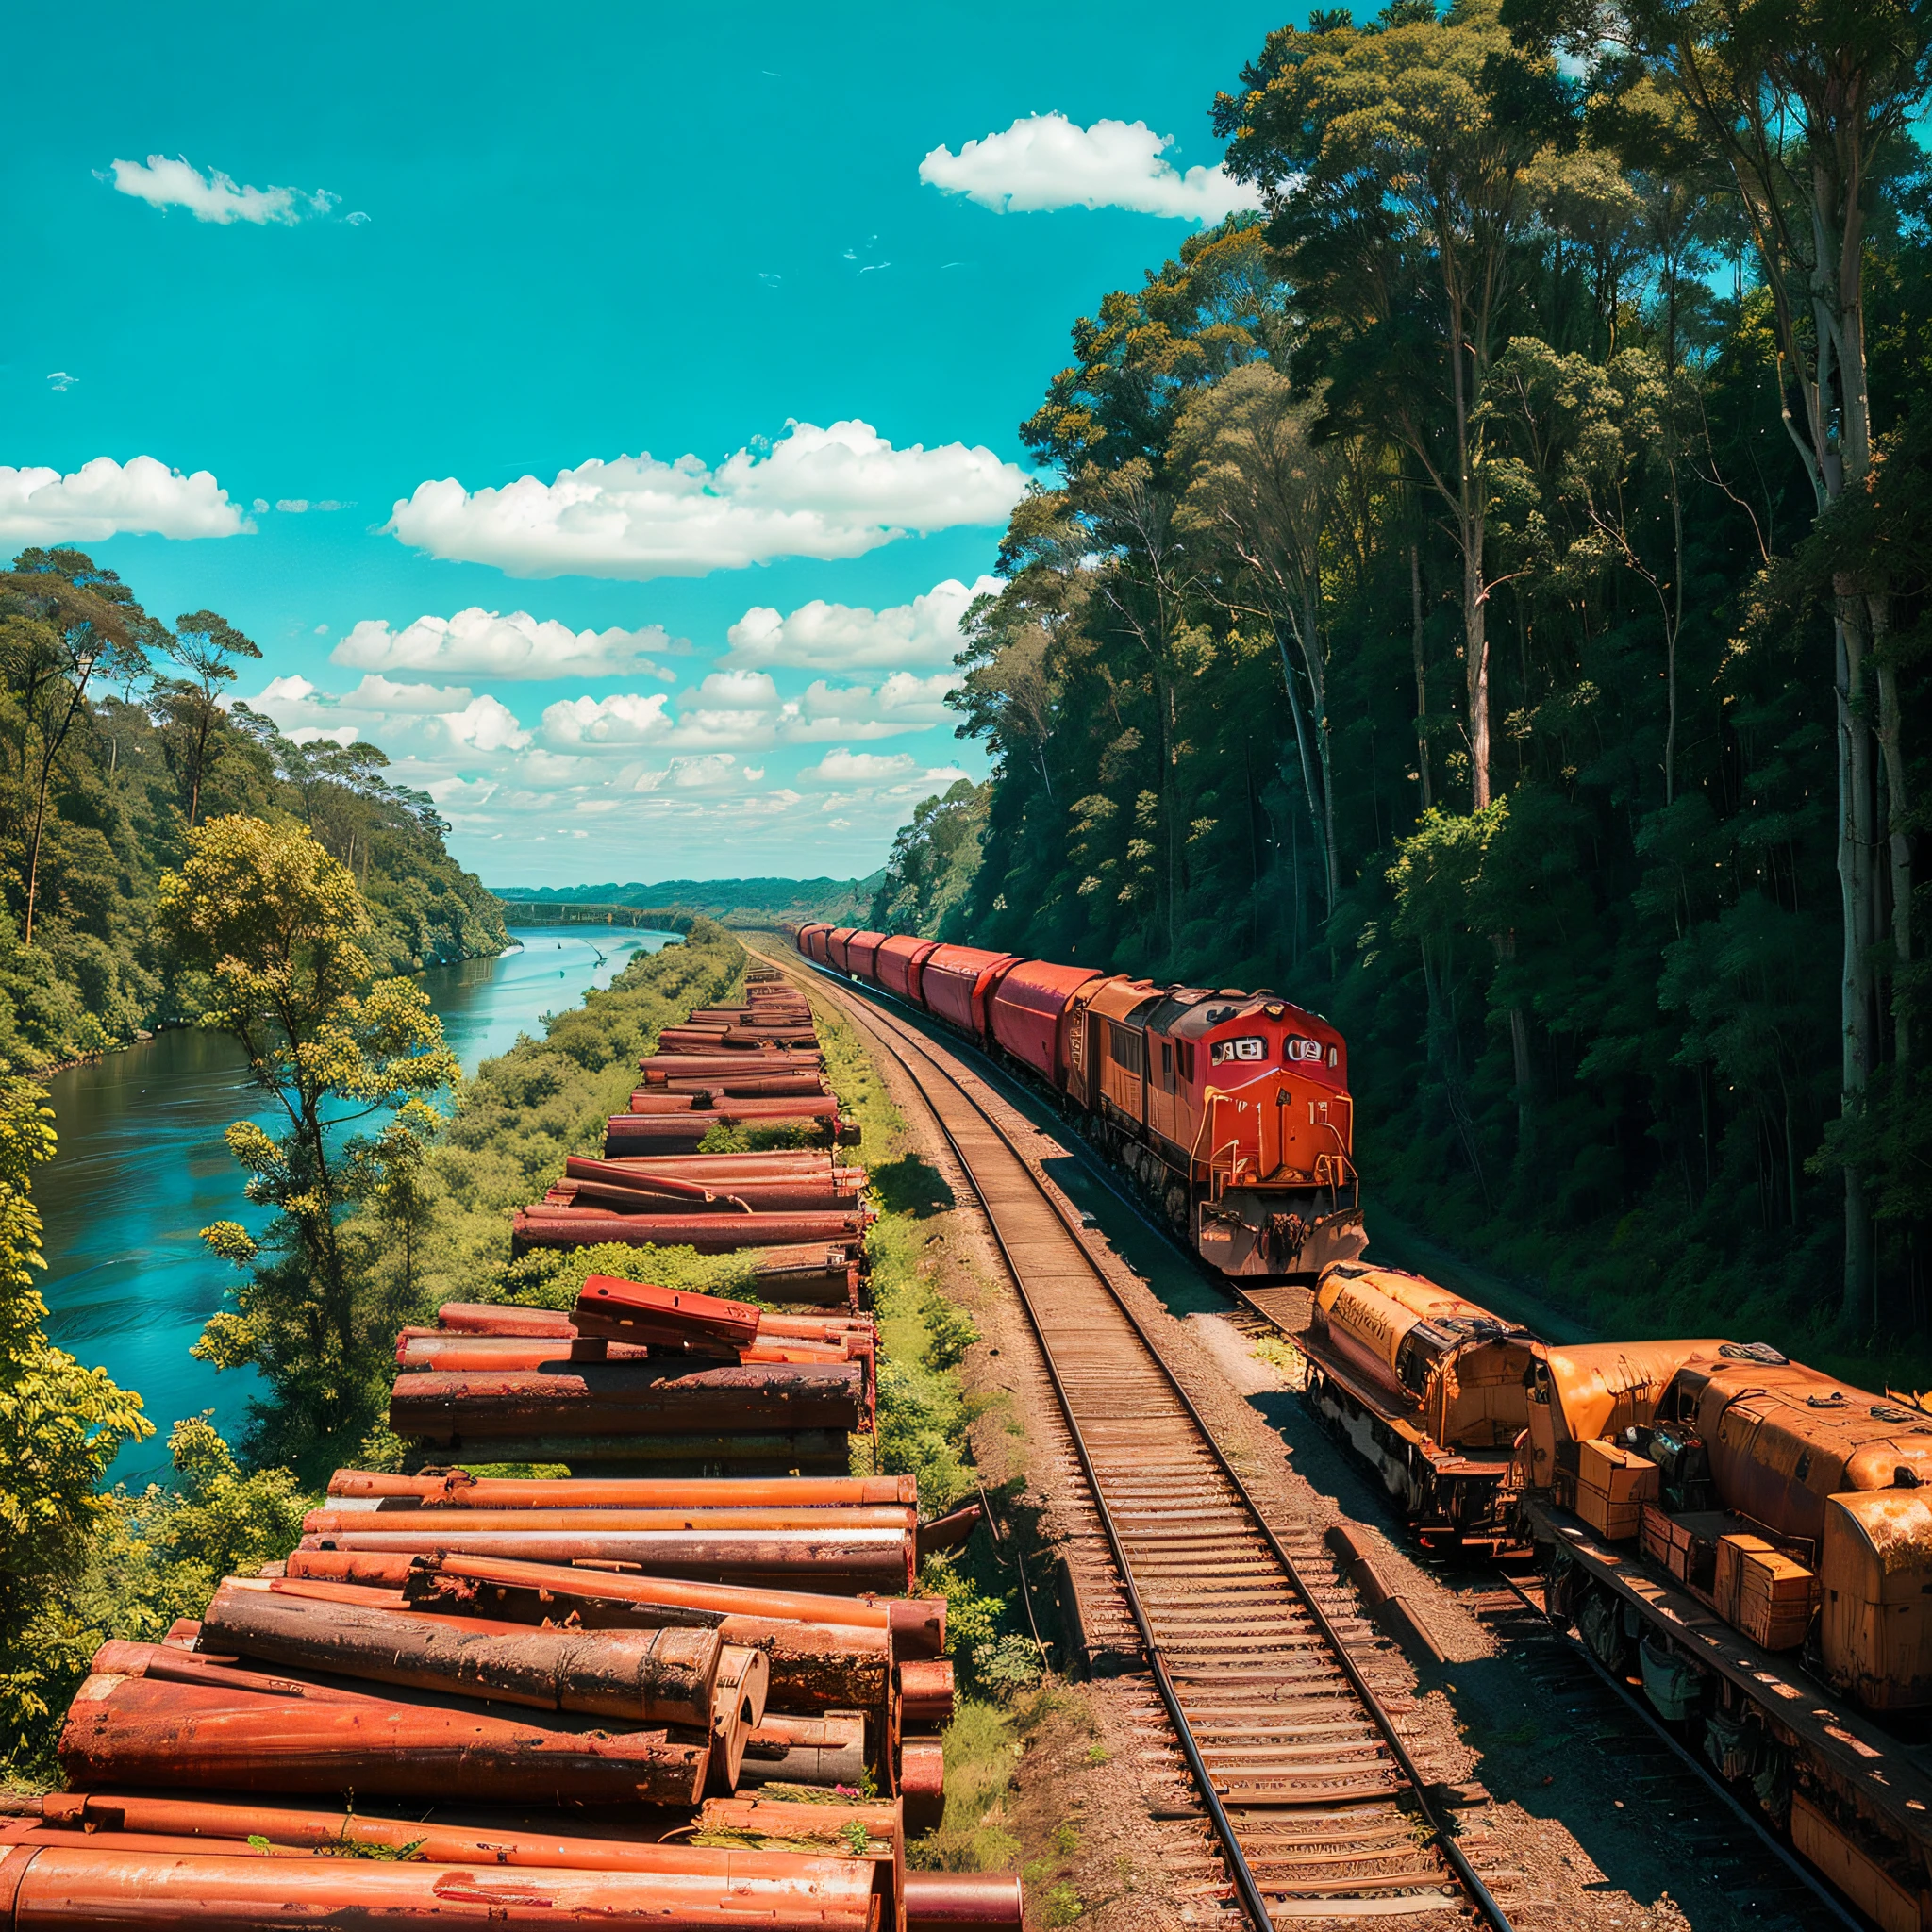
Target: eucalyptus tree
column 1805, row 102
column 1399, row 163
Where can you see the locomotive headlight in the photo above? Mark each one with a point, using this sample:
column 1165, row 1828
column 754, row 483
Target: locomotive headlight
column 1250, row 1047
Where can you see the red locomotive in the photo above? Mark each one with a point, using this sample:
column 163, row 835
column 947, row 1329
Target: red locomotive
column 1230, row 1109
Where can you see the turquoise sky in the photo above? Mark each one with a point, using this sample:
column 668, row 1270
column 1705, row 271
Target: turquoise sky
column 347, row 255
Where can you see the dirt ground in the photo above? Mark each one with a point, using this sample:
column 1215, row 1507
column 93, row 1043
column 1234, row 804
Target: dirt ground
column 1106, row 1824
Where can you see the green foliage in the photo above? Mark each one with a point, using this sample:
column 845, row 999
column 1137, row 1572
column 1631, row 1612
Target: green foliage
column 275, row 925
column 148, row 1557
column 1061, row 1905
column 60, row 1426
column 117, row 735
column 933, row 862
column 1005, row 1665
column 1429, row 613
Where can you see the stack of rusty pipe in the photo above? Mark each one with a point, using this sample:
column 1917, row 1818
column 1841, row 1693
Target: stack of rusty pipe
column 809, row 1576
column 231, row 1864
column 754, row 1066
column 638, row 1375
column 458, row 1640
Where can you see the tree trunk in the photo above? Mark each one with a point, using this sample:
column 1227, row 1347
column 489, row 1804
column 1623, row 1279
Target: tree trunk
column 1858, row 1307
column 1422, row 676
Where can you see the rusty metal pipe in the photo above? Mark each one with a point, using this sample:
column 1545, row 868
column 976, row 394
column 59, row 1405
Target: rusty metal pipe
column 709, row 1234
column 143, row 1731
column 925, row 1690
column 861, row 1558
column 794, row 1451
column 629, row 1398
column 536, row 1326
column 458, row 1488
column 639, row 1676
column 918, row 1623
column 825, row 1749
column 937, row 1901
column 102, row 1886
column 466, row 1354
column 822, row 1525
column 812, row 1665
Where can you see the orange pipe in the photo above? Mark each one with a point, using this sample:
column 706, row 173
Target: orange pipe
column 918, row 1623
column 621, row 1493
column 144, row 1731
column 104, row 1885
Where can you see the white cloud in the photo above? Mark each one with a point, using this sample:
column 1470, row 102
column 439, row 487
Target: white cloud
column 103, row 499
column 378, row 693
column 166, row 183
column 484, row 642
column 848, row 767
column 292, row 506
column 712, row 771
column 625, row 721
column 427, row 718
column 59, row 381
column 1045, row 161
column 847, row 637
column 485, row 725
column 835, row 492
column 902, row 703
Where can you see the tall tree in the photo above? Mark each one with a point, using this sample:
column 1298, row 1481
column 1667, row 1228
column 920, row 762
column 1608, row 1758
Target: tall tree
column 1803, row 101
column 279, row 926
column 206, row 646
column 1395, row 160
column 62, row 621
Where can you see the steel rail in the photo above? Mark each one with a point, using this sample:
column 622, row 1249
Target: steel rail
column 888, row 1029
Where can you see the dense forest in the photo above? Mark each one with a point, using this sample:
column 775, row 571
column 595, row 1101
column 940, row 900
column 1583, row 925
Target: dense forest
column 117, row 735
column 1484, row 594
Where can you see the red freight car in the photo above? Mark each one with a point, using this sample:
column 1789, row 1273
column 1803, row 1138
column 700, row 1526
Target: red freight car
column 861, row 952
column 835, row 942
column 811, row 940
column 955, row 981
column 1029, row 1014
column 899, row 964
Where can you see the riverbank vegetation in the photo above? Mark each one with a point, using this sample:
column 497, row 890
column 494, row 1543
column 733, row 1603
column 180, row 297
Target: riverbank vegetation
column 118, row 735
column 1484, row 594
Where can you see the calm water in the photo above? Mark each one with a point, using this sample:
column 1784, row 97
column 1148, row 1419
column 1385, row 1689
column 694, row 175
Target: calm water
column 142, row 1169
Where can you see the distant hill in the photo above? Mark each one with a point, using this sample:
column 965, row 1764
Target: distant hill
column 735, row 902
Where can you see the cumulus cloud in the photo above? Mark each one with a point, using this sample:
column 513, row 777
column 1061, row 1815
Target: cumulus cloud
column 105, row 499
column 848, row 637
column 478, row 642
column 622, row 722
column 417, row 716
column 167, row 182
column 485, row 725
column 832, row 493
column 902, row 703
column 848, row 767
column 1045, row 161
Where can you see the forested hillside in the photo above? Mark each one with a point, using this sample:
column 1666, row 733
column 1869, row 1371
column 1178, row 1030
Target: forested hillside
column 1484, row 594
column 117, row 734
column 740, row 902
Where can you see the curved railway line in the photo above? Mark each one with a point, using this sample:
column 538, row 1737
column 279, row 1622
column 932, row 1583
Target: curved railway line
column 1317, row 1811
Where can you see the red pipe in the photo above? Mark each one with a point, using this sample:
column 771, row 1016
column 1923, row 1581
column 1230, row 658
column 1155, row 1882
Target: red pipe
column 139, row 1731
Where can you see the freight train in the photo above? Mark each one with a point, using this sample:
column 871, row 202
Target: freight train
column 1229, row 1109
column 1748, row 1539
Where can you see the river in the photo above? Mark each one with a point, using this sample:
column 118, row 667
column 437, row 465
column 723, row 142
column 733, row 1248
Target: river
column 142, row 1168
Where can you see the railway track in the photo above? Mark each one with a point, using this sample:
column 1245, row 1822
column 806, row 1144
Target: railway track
column 1317, row 1811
